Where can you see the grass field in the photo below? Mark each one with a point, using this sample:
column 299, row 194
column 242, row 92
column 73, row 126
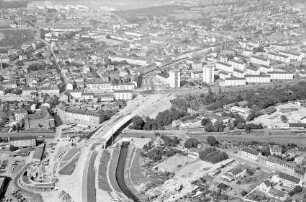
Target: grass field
column 69, row 168
column 151, row 11
column 112, row 168
column 68, row 156
column 137, row 174
column 16, row 37
column 102, row 178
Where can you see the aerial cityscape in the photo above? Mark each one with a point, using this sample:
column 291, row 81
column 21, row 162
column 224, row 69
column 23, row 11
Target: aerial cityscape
column 152, row 101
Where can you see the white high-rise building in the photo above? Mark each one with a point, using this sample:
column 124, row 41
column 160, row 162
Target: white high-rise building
column 208, row 73
column 174, row 79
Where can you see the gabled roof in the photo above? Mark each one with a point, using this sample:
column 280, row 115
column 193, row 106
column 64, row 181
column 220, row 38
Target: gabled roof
column 289, row 177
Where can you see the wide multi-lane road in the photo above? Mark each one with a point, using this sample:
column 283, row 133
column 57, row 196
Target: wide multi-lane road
column 105, row 132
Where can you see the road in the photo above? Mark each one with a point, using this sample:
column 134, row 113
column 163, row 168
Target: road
column 91, row 189
column 105, row 132
column 120, row 174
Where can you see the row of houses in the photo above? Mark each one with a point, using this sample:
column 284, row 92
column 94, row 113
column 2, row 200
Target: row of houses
column 273, row 162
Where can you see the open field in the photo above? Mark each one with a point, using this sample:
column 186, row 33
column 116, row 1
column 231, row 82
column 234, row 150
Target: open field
column 174, row 163
column 69, row 168
column 102, row 180
column 70, row 154
column 158, row 10
column 16, row 37
column 136, row 173
column 112, row 168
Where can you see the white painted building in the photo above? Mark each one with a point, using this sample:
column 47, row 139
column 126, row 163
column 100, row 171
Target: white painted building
column 208, row 73
column 252, row 70
column 259, row 60
column 237, row 64
column 258, row 78
column 224, row 75
column 224, row 67
column 265, row 69
column 280, row 75
column 174, row 79
column 278, row 57
column 238, row 73
column 233, row 82
column 292, row 56
column 123, row 95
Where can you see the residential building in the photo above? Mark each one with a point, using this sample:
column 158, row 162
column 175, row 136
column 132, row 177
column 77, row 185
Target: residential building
column 265, row 186
column 208, row 74
column 123, row 95
column 276, row 150
column 280, row 75
column 40, row 119
column 249, row 153
column 224, row 67
column 20, row 114
column 257, row 78
column 174, row 79
column 71, row 115
column 259, row 60
column 287, row 180
column 234, row 173
column 22, row 142
column 233, row 81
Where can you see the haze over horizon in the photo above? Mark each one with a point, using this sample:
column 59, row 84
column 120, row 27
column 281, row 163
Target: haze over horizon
column 117, row 4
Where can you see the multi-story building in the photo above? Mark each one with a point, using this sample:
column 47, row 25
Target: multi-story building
column 280, row 75
column 98, row 86
column 123, row 95
column 81, row 116
column 22, row 142
column 257, row 78
column 292, row 56
column 233, row 81
column 224, row 67
column 287, row 180
column 237, row 64
column 174, row 79
column 20, row 114
column 278, row 57
column 238, row 73
column 249, row 153
column 208, row 73
column 265, row 69
column 40, row 119
column 259, row 60
column 252, row 70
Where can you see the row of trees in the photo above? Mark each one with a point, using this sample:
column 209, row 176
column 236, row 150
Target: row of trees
column 238, row 122
column 257, row 99
column 162, row 119
column 212, row 155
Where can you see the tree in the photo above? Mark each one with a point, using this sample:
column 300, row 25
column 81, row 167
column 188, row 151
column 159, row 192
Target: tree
column 296, row 190
column 284, row 118
column 212, row 141
column 243, row 193
column 205, row 121
column 251, row 116
column 209, row 127
column 191, row 143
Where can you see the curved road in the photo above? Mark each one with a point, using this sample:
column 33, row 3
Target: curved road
column 120, row 173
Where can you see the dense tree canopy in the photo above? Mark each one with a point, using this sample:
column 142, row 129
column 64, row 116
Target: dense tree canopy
column 191, row 143
column 212, row 141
